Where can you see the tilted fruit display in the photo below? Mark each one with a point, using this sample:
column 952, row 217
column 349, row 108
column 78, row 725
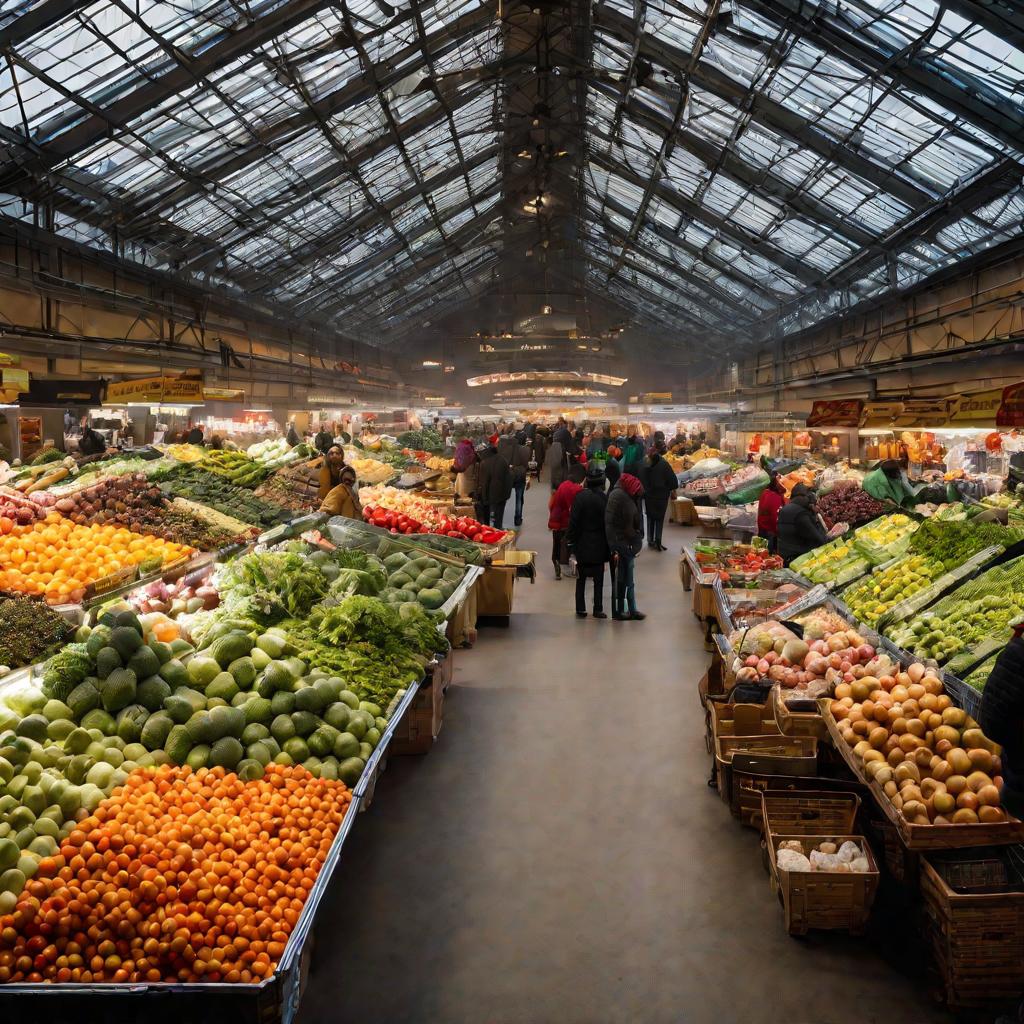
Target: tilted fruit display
column 829, row 653
column 930, row 758
column 163, row 921
column 935, row 549
column 981, row 609
column 871, row 597
column 295, row 487
column 851, row 555
column 58, row 559
column 848, row 503
column 222, row 495
column 370, row 471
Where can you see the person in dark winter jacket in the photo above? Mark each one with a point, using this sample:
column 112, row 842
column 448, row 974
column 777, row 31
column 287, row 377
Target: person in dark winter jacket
column 624, row 533
column 659, row 480
column 495, row 485
column 518, row 457
column 800, row 528
column 323, row 441
column 588, row 540
column 612, row 472
column 1001, row 718
column 540, row 447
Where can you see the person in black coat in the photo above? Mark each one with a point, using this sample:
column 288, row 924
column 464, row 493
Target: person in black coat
column 495, row 485
column 1001, row 718
column 588, row 540
column 800, row 528
column 612, row 472
column 659, row 480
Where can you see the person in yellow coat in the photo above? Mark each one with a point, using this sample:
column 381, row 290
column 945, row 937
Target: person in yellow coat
column 343, row 499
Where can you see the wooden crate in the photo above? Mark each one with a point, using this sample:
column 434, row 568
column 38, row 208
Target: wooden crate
column 761, row 755
column 724, row 719
column 747, row 789
column 810, row 812
column 974, row 921
column 422, row 723
column 797, row 723
column 823, row 899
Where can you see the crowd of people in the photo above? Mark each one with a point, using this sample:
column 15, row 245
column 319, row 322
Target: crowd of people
column 609, row 494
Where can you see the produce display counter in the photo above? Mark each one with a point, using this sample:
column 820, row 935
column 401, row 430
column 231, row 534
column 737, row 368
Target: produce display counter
column 264, row 568
column 979, row 850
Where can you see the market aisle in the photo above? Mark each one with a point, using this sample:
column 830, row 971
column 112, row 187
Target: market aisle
column 558, row 857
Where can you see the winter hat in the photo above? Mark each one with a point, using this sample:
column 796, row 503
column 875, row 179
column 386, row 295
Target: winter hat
column 631, row 485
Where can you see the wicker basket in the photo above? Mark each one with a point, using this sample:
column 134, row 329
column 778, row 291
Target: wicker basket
column 796, row 723
column 747, row 789
column 974, row 919
column 808, row 813
column 823, row 899
column 764, row 756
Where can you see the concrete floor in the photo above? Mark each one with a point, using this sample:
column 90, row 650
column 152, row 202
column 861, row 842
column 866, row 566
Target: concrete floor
column 559, row 859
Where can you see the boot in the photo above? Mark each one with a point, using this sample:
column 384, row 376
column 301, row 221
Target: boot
column 558, row 570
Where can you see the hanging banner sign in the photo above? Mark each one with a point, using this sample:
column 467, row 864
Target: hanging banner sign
column 978, row 408
column 880, row 414
column 844, row 412
column 155, row 390
column 923, row 412
column 1011, row 408
column 223, row 394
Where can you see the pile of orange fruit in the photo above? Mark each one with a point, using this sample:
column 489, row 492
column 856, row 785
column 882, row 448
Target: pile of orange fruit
column 179, row 876
column 57, row 559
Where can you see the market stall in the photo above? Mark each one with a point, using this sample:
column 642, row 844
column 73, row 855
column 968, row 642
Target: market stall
column 853, row 747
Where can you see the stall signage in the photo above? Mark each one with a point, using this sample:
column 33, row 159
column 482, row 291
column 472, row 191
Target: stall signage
column 979, row 407
column 1011, row 408
column 15, row 380
column 844, row 412
column 7, row 359
column 223, row 394
column 923, row 412
column 155, row 390
column 880, row 414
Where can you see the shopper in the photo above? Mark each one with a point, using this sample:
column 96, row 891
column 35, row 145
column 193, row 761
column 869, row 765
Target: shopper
column 624, row 533
column 330, row 471
column 517, row 455
column 324, row 440
column 660, row 483
column 540, row 443
column 799, row 527
column 562, row 435
column 556, row 459
column 292, row 437
column 343, row 499
column 91, row 442
column 587, row 539
column 1001, row 718
column 612, row 468
column 559, row 509
column 217, row 443
column 195, row 435
column 495, row 486
column 633, row 456
column 773, row 497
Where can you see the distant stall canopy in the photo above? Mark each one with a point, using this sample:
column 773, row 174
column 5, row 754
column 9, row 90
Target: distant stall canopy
column 744, row 167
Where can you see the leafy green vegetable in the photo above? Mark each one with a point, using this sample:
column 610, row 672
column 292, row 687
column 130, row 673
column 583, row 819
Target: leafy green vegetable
column 65, row 670
column 273, row 585
column 29, row 631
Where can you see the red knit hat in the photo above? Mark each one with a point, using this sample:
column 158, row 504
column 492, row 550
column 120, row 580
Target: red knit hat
column 631, row 485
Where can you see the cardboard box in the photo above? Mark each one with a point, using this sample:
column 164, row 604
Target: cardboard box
column 461, row 630
column 422, row 722
column 684, row 512
column 494, row 591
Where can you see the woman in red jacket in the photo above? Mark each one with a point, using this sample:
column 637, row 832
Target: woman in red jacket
column 773, row 497
column 559, row 508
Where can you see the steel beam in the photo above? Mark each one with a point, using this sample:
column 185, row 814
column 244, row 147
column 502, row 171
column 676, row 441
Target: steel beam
column 766, row 111
column 40, row 16
column 954, row 89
